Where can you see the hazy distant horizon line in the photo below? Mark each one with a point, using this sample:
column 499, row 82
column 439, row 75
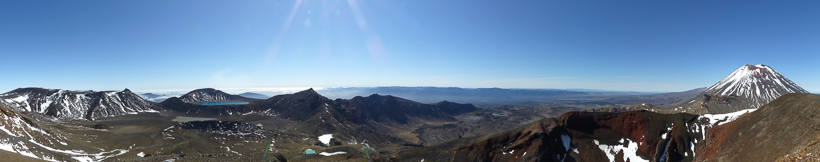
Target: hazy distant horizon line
column 301, row 88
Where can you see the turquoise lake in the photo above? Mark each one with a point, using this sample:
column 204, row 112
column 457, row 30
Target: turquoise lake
column 221, row 103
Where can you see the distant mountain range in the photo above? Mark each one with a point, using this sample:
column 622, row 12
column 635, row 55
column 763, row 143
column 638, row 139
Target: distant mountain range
column 488, row 97
column 76, row 104
column 496, row 96
column 485, row 97
column 667, row 100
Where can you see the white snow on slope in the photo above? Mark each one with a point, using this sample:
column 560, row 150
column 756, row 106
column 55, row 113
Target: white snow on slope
column 692, row 146
column 76, row 104
column 711, row 121
column 18, row 130
column 566, row 140
column 326, row 139
column 720, row 119
column 29, row 140
column 629, row 152
column 717, row 119
column 331, row 154
column 760, row 84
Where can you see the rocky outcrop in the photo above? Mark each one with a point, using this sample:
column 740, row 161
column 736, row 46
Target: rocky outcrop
column 221, row 127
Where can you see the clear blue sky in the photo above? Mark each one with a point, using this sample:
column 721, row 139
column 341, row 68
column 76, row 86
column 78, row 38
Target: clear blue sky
column 634, row 45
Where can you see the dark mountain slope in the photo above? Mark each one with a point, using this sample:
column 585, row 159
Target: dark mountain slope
column 300, row 105
column 305, row 104
column 382, row 108
column 296, row 106
column 381, row 120
column 785, row 126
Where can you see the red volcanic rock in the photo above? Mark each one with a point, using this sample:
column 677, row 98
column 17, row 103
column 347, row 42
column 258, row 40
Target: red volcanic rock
column 578, row 136
column 717, row 137
column 631, row 124
column 642, row 127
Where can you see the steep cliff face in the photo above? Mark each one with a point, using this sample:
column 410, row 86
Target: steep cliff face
column 76, row 104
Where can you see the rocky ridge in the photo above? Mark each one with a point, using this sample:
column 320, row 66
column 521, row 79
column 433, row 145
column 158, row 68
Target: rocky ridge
column 75, row 104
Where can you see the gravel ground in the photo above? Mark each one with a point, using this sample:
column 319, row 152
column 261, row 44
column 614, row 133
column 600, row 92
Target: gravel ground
column 11, row 156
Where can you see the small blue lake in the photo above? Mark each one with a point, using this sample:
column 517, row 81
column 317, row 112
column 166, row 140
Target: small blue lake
column 221, row 103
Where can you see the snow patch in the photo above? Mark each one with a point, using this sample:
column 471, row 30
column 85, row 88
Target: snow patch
column 331, row 154
column 566, row 140
column 21, row 98
column 19, row 148
column 692, row 146
column 326, row 139
column 629, row 152
column 720, row 119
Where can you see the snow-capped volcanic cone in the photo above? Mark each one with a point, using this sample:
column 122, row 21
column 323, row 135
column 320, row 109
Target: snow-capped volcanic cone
column 749, row 87
column 758, row 83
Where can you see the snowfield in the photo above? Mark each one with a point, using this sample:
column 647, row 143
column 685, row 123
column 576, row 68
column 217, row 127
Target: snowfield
column 629, row 152
column 326, row 139
column 720, row 119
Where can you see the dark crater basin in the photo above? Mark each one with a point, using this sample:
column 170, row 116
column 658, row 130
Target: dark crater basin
column 221, row 127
